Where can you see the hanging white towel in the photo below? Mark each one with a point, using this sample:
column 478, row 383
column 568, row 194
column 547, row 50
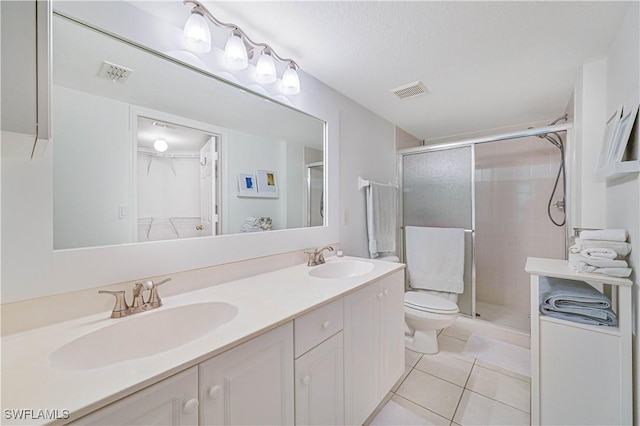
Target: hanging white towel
column 381, row 218
column 435, row 258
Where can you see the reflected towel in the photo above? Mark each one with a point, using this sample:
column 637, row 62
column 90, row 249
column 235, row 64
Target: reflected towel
column 575, row 301
column 435, row 258
column 606, row 234
column 381, row 218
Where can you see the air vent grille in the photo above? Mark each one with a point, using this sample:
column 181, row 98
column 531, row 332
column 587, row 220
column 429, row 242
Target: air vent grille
column 113, row 72
column 410, row 90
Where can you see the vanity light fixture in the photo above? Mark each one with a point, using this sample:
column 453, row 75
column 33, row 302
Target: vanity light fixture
column 239, row 49
column 160, row 145
column 197, row 35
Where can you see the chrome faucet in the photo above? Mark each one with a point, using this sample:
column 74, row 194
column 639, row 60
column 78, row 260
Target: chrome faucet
column 121, row 309
column 316, row 257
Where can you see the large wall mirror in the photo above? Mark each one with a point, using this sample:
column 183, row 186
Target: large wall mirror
column 146, row 149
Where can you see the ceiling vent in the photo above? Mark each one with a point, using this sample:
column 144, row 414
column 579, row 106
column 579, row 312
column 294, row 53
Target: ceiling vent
column 113, row 72
column 410, row 90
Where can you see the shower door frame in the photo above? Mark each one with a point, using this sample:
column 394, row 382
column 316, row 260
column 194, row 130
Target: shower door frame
column 568, row 172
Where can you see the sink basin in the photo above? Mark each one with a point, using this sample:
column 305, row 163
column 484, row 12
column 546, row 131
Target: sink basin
column 142, row 335
column 346, row 269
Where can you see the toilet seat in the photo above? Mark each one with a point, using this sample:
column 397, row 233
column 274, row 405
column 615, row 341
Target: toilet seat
column 426, row 302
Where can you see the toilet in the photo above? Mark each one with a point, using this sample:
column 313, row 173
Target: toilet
column 435, row 277
column 426, row 313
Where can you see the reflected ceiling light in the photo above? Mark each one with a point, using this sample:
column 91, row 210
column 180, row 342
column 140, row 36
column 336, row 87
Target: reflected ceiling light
column 235, row 52
column 197, row 36
column 290, row 80
column 239, row 50
column 266, row 68
column 160, row 145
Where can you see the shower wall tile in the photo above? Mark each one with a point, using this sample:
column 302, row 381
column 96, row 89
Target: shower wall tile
column 513, row 183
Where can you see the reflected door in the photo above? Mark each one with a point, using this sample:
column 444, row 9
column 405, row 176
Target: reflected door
column 437, row 191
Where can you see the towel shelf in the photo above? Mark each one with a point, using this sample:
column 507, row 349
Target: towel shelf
column 580, row 374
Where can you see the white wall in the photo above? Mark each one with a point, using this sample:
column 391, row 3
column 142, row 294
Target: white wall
column 590, row 115
column 245, row 153
column 91, row 170
column 623, row 197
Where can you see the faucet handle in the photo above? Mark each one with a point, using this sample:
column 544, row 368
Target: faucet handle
column 154, row 298
column 120, row 309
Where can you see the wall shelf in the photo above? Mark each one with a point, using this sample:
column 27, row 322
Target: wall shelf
column 617, row 170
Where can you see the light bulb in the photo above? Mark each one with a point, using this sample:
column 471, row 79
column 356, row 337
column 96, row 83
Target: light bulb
column 235, row 53
column 290, row 81
column 266, row 68
column 160, row 145
column 197, row 36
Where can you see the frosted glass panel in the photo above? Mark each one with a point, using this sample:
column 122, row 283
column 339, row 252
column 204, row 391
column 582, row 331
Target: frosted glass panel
column 437, row 188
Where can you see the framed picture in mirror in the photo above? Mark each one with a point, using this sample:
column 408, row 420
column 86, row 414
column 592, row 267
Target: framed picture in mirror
column 267, row 184
column 247, row 185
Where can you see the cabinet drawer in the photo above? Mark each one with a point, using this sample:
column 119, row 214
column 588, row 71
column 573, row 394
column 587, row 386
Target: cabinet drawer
column 317, row 326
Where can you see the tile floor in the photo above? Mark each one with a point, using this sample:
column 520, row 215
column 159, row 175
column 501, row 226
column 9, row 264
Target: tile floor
column 450, row 388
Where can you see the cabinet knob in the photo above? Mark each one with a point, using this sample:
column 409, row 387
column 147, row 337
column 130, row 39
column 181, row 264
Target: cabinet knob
column 386, row 292
column 326, row 324
column 190, row 406
column 380, row 295
column 214, row 391
column 306, row 380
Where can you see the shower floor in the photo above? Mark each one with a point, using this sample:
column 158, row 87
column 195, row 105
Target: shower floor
column 514, row 317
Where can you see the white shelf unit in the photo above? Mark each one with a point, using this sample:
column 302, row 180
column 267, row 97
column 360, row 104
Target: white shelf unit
column 617, row 170
column 580, row 374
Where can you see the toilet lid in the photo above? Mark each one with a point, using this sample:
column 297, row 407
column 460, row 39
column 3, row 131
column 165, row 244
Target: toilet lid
column 428, row 302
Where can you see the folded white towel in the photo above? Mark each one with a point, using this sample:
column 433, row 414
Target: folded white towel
column 606, row 235
column 598, row 253
column 614, row 272
column 579, row 260
column 622, row 248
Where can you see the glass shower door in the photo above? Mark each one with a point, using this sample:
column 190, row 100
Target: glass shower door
column 437, row 191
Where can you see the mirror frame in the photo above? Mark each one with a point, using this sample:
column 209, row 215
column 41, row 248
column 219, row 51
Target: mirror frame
column 48, row 272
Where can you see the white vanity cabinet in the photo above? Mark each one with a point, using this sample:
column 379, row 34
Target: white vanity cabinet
column 251, row 384
column 319, row 367
column 373, row 345
column 173, row 401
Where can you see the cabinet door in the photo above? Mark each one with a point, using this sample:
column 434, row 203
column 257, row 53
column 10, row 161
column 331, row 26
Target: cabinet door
column 251, row 384
column 361, row 353
column 173, row 401
column 392, row 330
column 319, row 384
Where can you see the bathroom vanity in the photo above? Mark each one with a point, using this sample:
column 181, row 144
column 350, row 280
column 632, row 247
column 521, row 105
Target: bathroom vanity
column 319, row 345
column 580, row 374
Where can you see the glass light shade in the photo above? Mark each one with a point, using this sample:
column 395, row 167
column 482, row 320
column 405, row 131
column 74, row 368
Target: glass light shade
column 266, row 69
column 197, row 36
column 235, row 53
column 160, row 145
column 290, row 82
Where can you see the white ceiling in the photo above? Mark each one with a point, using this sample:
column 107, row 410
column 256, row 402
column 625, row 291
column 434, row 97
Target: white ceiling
column 485, row 64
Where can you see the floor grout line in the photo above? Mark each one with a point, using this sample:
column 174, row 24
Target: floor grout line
column 500, row 402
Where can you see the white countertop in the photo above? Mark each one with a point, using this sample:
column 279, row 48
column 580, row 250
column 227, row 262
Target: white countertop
column 264, row 302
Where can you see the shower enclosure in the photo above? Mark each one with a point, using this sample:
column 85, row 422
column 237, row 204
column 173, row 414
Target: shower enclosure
column 508, row 193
